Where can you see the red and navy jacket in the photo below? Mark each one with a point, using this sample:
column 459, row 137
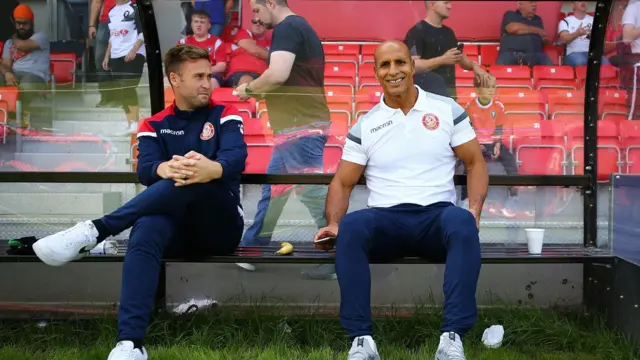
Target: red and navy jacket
column 215, row 131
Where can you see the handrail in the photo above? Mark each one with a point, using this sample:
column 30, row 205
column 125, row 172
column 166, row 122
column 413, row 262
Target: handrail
column 288, row 179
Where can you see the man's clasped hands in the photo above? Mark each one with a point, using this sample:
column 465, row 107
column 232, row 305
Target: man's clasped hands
column 189, row 169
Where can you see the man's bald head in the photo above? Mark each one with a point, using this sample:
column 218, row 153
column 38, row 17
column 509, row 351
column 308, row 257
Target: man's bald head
column 390, row 46
column 394, row 68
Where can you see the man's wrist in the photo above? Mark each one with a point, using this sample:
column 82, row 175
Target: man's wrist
column 161, row 170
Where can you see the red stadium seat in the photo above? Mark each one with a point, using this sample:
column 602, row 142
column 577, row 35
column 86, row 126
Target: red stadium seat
column 367, row 76
column 465, row 95
column 257, row 132
column 464, row 78
column 609, row 154
column 258, row 158
column 340, row 119
column 63, row 66
column 553, row 77
column 630, row 142
column 338, row 132
column 613, row 101
column 341, row 52
column 522, row 100
column 609, row 76
column 512, row 76
column 225, row 95
column 565, row 102
column 10, row 95
column 366, row 99
column 553, row 52
column 343, row 74
column 489, row 54
column 4, row 119
column 540, row 149
column 367, row 53
column 340, row 102
column 472, row 52
column 332, row 155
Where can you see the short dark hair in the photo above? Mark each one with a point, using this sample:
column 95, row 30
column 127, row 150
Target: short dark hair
column 202, row 13
column 180, row 54
column 278, row 2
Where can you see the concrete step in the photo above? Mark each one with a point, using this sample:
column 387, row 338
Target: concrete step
column 98, row 162
column 59, row 203
column 41, row 225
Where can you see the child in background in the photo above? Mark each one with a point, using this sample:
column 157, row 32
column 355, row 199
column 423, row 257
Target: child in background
column 488, row 119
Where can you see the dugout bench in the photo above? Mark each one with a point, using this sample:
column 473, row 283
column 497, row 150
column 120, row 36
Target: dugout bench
column 304, row 253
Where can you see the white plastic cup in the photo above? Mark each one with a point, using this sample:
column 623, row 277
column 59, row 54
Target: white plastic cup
column 534, row 240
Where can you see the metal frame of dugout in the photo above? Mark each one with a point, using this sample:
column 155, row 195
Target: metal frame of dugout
column 610, row 285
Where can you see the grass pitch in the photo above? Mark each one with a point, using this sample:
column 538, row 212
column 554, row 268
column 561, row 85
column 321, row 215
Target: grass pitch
column 221, row 334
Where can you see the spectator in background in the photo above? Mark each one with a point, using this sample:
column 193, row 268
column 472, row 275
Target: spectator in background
column 187, row 9
column 434, row 47
column 293, row 87
column 99, row 12
column 614, row 31
column 217, row 10
column 77, row 13
column 125, row 57
column 26, row 58
column 629, row 53
column 575, row 32
column 200, row 24
column 523, row 37
column 248, row 54
column 488, row 118
column 7, row 26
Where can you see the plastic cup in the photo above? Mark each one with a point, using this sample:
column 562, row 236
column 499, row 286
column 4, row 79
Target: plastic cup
column 534, row 240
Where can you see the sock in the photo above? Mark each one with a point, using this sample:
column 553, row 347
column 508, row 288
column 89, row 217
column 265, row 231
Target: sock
column 137, row 344
column 103, row 231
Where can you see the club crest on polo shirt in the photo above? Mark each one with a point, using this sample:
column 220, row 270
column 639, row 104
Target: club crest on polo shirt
column 430, row 121
column 207, row 131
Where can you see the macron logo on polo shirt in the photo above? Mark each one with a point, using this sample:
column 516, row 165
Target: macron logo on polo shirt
column 382, row 126
column 172, row 132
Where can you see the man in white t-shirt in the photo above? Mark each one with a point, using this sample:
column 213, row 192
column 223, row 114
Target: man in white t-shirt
column 631, row 26
column 575, row 32
column 407, row 146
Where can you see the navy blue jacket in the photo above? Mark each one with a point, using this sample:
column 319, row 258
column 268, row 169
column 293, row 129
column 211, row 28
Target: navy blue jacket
column 215, row 132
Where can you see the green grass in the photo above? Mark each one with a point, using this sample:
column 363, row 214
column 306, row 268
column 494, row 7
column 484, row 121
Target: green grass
column 530, row 334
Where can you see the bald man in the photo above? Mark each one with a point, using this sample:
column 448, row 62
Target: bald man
column 411, row 209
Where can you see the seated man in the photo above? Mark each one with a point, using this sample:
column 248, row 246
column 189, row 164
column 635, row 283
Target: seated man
column 411, row 203
column 575, row 32
column 248, row 54
column 25, row 58
column 202, row 39
column 187, row 196
column 488, row 119
column 523, row 37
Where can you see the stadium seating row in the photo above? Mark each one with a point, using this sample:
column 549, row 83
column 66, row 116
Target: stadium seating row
column 541, row 148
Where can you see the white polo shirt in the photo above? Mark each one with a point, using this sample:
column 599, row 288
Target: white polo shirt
column 409, row 158
column 631, row 17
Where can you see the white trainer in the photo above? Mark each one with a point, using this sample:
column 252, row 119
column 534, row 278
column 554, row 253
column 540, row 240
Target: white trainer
column 67, row 245
column 450, row 347
column 247, row 266
column 124, row 350
column 363, row 348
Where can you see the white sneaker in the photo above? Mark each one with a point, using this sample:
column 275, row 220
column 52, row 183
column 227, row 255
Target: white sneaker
column 247, row 266
column 68, row 245
column 450, row 347
column 124, row 350
column 363, row 348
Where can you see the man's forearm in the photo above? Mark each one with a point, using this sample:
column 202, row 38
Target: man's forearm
column 424, row 65
column 337, row 202
column 266, row 82
column 96, row 5
column 477, row 186
column 4, row 69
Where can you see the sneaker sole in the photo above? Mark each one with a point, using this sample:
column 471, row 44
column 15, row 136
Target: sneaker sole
column 42, row 252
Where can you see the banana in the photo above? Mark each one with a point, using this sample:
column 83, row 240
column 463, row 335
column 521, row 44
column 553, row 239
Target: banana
column 285, row 249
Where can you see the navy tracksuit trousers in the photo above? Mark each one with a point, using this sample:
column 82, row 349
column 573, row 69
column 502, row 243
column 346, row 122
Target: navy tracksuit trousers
column 189, row 221
column 440, row 231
